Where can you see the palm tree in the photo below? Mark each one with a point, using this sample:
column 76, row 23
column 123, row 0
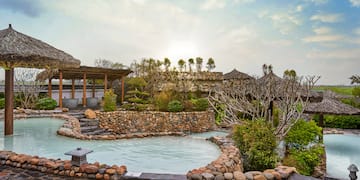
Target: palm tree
column 355, row 79
column 191, row 63
column 167, row 64
column 199, row 62
column 210, row 65
column 181, row 64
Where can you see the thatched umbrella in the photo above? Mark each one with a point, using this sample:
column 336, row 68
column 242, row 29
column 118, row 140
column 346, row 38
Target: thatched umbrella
column 330, row 106
column 20, row 50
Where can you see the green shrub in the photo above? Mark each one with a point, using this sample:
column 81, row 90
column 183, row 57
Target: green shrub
column 162, row 100
column 304, row 151
column 219, row 113
column 2, row 95
column 304, row 160
column 345, row 122
column 46, row 104
column 257, row 143
column 356, row 91
column 351, row 102
column 175, row 106
column 109, row 101
column 2, row 103
column 200, row 104
column 302, row 134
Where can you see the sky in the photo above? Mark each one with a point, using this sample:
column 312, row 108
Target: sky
column 313, row 37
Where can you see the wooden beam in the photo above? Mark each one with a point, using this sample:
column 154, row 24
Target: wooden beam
column 72, row 88
column 50, row 88
column 105, row 84
column 93, row 88
column 122, row 89
column 9, row 103
column 60, row 88
column 84, row 90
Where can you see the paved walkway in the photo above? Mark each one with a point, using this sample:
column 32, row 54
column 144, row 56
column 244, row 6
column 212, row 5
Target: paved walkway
column 11, row 173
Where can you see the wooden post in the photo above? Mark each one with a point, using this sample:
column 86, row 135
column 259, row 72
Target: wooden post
column 122, row 89
column 93, row 89
column 60, row 88
column 105, row 84
column 50, row 88
column 84, row 90
column 9, row 103
column 72, row 88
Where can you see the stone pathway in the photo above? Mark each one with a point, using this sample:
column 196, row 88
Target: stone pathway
column 11, row 173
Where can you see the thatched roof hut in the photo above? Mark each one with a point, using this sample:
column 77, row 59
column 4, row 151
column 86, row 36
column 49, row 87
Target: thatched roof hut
column 331, row 106
column 270, row 77
column 235, row 74
column 20, row 50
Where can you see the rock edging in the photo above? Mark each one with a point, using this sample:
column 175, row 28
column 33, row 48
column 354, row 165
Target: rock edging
column 229, row 166
column 61, row 167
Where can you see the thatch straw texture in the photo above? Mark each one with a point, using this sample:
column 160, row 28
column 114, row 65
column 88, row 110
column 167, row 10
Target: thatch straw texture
column 331, row 106
column 235, row 74
column 270, row 78
column 20, row 50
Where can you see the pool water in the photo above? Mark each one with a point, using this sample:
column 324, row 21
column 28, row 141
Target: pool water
column 37, row 136
column 341, row 151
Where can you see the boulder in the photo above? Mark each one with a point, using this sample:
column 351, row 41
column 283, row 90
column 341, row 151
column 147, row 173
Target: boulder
column 208, row 176
column 228, row 176
column 238, row 175
column 90, row 114
column 196, row 177
column 91, row 169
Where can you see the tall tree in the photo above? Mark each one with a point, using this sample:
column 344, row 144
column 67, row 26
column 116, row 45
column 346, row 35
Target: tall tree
column 181, row 64
column 191, row 64
column 355, row 79
column 210, row 65
column 199, row 63
column 167, row 64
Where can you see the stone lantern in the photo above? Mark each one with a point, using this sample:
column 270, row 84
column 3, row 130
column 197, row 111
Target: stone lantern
column 353, row 169
column 78, row 156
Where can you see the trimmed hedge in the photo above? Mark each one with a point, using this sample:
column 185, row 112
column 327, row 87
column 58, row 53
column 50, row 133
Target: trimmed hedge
column 175, row 106
column 46, row 104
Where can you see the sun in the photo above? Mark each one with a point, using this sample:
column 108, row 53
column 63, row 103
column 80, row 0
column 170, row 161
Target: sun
column 182, row 50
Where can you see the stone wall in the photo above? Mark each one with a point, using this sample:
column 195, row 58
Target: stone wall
column 125, row 122
column 62, row 167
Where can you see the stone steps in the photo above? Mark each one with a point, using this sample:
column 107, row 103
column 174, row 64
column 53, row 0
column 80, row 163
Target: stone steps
column 88, row 128
column 90, row 123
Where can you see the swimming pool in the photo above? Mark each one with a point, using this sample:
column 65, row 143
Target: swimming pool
column 341, row 151
column 37, row 136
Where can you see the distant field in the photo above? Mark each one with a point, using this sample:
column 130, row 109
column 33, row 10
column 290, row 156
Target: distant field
column 344, row 90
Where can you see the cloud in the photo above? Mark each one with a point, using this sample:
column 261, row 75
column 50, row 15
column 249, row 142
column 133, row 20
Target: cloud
column 322, row 38
column 355, row 3
column 327, row 18
column 31, row 8
column 339, row 54
column 317, row 2
column 285, row 23
column 244, row 1
column 299, row 8
column 242, row 34
column 213, row 4
column 357, row 31
column 322, row 30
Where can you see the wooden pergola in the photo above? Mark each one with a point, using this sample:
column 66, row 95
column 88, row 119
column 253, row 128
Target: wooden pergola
column 84, row 73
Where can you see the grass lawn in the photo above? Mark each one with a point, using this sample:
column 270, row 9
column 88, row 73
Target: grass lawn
column 345, row 90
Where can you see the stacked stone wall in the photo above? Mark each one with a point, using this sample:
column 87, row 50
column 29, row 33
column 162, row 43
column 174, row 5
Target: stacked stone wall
column 127, row 122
